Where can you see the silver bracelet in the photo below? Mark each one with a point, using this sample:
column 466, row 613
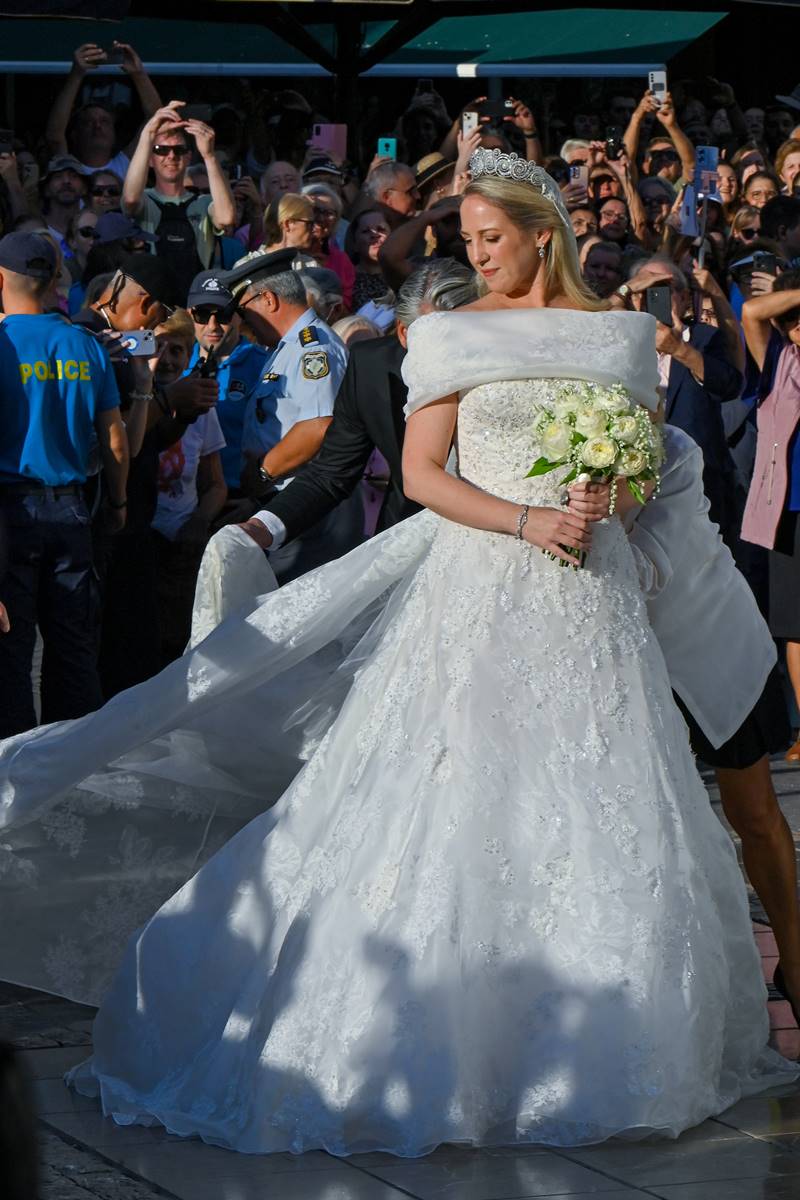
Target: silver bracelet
column 140, row 396
column 522, row 521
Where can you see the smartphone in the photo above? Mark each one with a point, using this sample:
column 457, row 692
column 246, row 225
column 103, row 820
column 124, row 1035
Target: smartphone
column 235, row 172
column 657, row 82
column 424, row 85
column 196, row 112
column 469, row 122
column 139, row 343
column 209, row 366
column 114, row 56
column 615, row 146
column 387, row 147
column 494, row 108
column 579, row 173
column 764, row 261
column 332, row 139
column 6, row 141
column 658, row 302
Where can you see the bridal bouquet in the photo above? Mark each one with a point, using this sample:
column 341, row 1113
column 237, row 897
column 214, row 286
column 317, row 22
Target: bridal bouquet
column 597, row 433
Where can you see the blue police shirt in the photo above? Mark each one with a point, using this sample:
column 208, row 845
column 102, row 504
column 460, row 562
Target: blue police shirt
column 238, row 376
column 54, row 380
column 301, row 383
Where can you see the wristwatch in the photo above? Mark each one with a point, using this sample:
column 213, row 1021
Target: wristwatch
column 266, row 478
column 624, row 291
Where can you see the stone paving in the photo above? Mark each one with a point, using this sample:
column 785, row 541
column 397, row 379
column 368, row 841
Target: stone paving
column 751, row 1152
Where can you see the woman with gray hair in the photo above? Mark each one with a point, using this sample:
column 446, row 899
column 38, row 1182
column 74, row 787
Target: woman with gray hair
column 327, row 214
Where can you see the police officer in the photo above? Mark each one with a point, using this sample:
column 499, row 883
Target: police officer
column 238, row 365
column 287, row 417
column 57, row 394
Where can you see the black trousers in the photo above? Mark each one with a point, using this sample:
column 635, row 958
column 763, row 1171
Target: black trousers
column 47, row 579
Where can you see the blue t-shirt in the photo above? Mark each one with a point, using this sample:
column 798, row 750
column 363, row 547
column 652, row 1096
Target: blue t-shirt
column 238, row 377
column 54, row 380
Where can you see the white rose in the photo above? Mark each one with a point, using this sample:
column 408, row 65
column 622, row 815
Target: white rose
column 566, row 406
column 630, row 462
column 556, row 440
column 591, row 422
column 598, row 453
column 625, row 429
column 613, row 402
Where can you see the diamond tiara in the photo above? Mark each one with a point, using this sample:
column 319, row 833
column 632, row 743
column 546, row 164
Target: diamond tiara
column 511, row 166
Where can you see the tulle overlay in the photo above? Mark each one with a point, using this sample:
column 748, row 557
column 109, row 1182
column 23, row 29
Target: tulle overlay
column 494, row 906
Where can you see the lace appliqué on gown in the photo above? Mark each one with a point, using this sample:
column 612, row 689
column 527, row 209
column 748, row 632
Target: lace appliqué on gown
column 496, row 881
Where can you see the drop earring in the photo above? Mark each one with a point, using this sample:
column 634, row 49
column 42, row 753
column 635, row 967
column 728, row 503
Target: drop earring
column 541, row 252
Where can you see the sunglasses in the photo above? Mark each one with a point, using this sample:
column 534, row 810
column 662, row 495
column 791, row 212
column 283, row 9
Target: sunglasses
column 179, row 151
column 203, row 314
column 88, row 231
column 110, row 189
column 747, row 234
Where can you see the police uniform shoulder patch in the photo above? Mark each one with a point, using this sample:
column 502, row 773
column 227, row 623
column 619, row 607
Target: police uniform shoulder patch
column 315, row 364
column 307, row 336
column 270, row 377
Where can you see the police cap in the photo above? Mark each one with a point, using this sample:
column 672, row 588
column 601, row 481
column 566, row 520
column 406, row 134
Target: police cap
column 256, row 268
column 28, row 254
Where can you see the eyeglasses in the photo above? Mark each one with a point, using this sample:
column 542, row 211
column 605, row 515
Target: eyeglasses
column 110, row 189
column 204, row 312
column 665, row 156
column 178, row 150
column 309, row 221
column 88, row 231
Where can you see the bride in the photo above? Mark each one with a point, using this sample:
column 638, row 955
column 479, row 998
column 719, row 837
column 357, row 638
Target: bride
column 494, row 906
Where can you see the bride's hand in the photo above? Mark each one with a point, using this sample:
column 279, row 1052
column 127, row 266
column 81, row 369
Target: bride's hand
column 590, row 500
column 553, row 529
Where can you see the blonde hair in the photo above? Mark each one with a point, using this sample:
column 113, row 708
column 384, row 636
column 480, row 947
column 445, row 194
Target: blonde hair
column 530, row 211
column 783, row 152
column 178, row 325
column 291, row 206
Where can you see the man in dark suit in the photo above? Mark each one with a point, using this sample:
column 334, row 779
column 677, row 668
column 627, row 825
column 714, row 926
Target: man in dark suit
column 368, row 413
column 699, row 377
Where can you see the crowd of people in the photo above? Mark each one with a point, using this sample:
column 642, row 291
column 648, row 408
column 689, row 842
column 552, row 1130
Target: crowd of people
column 195, row 297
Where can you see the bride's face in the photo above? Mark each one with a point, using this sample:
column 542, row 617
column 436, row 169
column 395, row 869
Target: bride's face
column 499, row 250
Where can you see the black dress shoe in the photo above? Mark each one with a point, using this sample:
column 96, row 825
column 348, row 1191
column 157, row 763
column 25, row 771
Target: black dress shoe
column 780, row 984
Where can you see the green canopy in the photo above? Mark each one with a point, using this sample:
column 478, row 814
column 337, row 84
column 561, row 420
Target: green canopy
column 580, row 41
column 166, row 46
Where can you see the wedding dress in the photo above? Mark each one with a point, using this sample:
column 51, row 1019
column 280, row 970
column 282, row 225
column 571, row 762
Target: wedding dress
column 492, row 904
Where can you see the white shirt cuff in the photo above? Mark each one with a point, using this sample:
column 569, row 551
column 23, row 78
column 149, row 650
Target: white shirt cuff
column 275, row 525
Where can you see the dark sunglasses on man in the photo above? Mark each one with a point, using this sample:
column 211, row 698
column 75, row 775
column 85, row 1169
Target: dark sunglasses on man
column 660, row 158
column 88, row 231
column 204, row 312
column 180, row 150
column 105, row 189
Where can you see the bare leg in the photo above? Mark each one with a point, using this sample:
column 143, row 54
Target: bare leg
column 793, row 667
column 751, row 806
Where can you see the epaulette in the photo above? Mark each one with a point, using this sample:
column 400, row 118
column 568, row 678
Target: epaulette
column 308, row 335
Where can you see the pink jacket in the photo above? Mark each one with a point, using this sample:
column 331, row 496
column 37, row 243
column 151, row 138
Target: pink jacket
column 778, row 417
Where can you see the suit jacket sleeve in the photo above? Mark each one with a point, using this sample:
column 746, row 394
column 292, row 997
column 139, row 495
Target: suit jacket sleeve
column 721, row 378
column 335, row 472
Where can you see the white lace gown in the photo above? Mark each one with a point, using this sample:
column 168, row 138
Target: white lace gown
column 494, row 906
